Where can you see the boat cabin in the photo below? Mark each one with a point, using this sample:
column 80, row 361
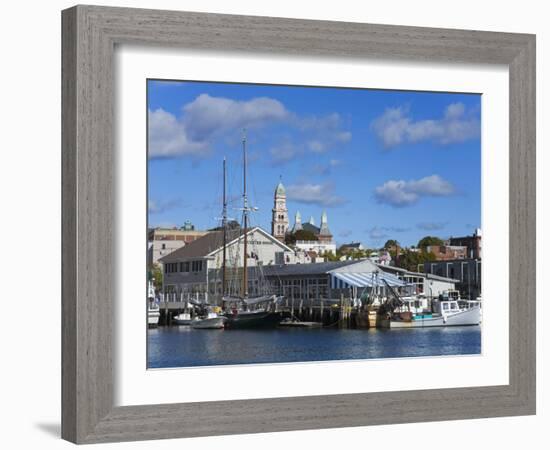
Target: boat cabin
column 445, row 307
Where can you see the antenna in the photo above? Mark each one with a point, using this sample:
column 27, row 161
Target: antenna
column 224, row 225
column 245, row 221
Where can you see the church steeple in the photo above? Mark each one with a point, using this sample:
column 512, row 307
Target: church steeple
column 279, row 221
column 297, row 222
column 324, row 232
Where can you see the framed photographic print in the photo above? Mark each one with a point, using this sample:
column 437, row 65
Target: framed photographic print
column 278, row 224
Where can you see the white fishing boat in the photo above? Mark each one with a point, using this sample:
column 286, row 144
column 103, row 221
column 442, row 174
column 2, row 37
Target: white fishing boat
column 153, row 310
column 182, row 319
column 447, row 313
column 211, row 322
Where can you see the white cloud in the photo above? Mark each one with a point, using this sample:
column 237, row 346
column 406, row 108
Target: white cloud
column 345, row 233
column 168, row 137
column 157, row 207
column 206, row 119
column 431, row 226
column 401, row 193
column 377, row 233
column 325, row 132
column 284, row 153
column 325, row 168
column 396, row 126
column 206, row 115
column 314, row 194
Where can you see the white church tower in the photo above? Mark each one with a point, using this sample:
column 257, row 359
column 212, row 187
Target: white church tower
column 279, row 221
column 297, row 222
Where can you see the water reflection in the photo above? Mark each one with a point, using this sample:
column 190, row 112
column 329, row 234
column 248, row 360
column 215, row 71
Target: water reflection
column 185, row 347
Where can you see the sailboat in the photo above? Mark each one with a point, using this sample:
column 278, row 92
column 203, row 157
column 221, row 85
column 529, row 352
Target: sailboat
column 248, row 311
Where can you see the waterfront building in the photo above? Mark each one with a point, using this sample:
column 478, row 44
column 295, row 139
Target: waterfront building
column 346, row 249
column 328, row 281
column 425, row 283
column 191, row 268
column 472, row 243
column 447, row 252
column 319, row 247
column 163, row 241
column 467, row 271
column 279, row 219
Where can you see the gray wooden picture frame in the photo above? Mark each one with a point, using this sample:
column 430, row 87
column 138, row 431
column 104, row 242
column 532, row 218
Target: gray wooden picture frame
column 90, row 34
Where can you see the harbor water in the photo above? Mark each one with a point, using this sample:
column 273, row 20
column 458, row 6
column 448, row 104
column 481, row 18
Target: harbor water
column 183, row 346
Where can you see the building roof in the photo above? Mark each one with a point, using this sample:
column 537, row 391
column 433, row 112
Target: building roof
column 351, row 245
column 368, row 279
column 304, row 269
column 416, row 274
column 202, row 246
column 212, row 242
column 309, row 227
column 153, row 232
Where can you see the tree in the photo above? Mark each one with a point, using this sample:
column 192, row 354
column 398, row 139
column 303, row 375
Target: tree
column 428, row 241
column 390, row 243
column 329, row 256
column 156, row 274
column 410, row 260
column 300, row 235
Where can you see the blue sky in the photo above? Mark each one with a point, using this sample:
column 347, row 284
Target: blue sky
column 382, row 164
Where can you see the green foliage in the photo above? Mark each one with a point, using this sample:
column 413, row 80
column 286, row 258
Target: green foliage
column 429, row 240
column 329, row 256
column 390, row 243
column 156, row 274
column 300, row 235
column 410, row 260
column 355, row 254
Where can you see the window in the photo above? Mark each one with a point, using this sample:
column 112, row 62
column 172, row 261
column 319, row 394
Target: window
column 164, row 246
column 196, row 266
column 170, row 267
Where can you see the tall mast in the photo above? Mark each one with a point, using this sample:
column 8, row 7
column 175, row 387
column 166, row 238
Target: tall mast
column 224, row 225
column 245, row 220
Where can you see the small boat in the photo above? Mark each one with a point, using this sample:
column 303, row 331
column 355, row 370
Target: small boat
column 211, row 322
column 153, row 310
column 153, row 315
column 182, row 319
column 448, row 313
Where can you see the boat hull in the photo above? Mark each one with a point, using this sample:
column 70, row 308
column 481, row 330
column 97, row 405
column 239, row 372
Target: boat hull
column 153, row 318
column 182, row 319
column 214, row 323
column 463, row 318
column 247, row 320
